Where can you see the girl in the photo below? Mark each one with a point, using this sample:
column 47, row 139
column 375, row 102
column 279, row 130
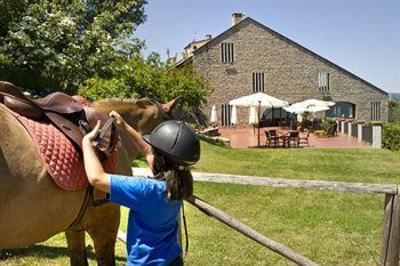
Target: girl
column 154, row 203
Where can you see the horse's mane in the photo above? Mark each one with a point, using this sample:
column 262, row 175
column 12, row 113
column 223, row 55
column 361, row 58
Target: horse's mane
column 128, row 103
column 112, row 101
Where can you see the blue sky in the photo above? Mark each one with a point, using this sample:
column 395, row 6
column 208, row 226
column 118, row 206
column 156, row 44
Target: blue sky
column 363, row 36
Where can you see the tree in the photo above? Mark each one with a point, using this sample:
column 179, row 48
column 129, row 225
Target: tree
column 149, row 77
column 56, row 45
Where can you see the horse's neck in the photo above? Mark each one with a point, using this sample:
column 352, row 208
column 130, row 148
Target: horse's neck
column 127, row 144
column 122, row 107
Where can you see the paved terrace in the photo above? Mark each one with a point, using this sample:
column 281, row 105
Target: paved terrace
column 245, row 137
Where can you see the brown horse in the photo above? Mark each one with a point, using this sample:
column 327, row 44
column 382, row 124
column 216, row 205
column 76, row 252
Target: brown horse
column 33, row 208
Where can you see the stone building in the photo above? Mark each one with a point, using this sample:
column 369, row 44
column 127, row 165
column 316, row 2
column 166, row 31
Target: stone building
column 250, row 57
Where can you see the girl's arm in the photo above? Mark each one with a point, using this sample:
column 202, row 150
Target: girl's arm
column 94, row 170
column 142, row 147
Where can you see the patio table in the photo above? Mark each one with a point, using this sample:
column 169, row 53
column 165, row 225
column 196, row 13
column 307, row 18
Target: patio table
column 285, row 136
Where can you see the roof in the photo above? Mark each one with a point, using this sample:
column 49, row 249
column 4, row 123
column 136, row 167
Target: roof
column 184, row 61
column 277, row 34
column 194, row 42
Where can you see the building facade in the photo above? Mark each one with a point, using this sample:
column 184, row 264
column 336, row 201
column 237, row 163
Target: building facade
column 250, row 57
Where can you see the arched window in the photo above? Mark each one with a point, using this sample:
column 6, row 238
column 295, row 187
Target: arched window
column 342, row 109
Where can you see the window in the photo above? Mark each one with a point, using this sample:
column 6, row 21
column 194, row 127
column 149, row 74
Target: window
column 227, row 52
column 376, row 111
column 258, row 81
column 323, row 81
column 226, row 114
column 342, row 109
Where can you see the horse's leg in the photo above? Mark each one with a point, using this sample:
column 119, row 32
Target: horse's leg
column 103, row 230
column 76, row 247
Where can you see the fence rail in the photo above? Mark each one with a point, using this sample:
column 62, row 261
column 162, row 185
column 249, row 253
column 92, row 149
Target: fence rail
column 295, row 183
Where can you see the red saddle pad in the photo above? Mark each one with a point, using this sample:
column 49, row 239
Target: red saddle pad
column 63, row 162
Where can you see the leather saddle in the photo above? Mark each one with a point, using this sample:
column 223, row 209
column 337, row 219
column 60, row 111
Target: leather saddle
column 64, row 112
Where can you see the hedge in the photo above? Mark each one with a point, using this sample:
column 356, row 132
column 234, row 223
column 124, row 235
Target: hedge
column 391, row 136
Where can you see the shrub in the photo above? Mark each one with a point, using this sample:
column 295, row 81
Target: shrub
column 391, row 136
column 394, row 112
column 329, row 125
column 305, row 123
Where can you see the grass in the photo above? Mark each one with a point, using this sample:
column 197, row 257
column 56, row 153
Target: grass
column 352, row 165
column 329, row 227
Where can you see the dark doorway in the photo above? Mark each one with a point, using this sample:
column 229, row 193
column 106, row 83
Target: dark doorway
column 277, row 117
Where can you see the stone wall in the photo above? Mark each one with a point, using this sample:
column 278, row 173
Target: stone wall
column 291, row 72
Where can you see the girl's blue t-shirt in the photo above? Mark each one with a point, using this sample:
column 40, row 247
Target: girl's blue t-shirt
column 153, row 221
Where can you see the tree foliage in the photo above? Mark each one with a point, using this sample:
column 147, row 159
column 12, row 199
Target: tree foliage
column 150, row 77
column 394, row 111
column 56, row 45
column 391, row 136
column 87, row 46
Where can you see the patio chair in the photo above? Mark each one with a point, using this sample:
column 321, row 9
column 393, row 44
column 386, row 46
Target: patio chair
column 271, row 137
column 303, row 139
column 292, row 137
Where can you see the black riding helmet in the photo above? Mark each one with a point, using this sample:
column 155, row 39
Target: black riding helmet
column 175, row 140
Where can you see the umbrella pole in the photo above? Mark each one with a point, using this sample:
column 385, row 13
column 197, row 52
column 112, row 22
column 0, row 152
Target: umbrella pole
column 259, row 120
column 272, row 117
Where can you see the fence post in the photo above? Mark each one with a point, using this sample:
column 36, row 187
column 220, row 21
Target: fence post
column 377, row 135
column 391, row 231
column 359, row 131
column 342, row 127
column 349, row 128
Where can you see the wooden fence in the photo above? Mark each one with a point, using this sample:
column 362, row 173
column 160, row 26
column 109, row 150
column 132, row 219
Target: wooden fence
column 391, row 214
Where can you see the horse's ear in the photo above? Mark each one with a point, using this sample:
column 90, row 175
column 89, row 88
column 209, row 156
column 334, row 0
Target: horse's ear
column 171, row 104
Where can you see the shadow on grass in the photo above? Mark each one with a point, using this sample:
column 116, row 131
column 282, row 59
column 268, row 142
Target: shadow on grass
column 42, row 251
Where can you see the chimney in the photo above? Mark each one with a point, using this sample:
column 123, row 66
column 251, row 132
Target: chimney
column 236, row 18
column 208, row 36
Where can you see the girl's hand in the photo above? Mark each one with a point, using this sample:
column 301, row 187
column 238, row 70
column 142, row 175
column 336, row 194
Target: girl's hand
column 118, row 118
column 92, row 134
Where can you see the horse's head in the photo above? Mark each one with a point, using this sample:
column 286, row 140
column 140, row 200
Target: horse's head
column 142, row 114
column 152, row 113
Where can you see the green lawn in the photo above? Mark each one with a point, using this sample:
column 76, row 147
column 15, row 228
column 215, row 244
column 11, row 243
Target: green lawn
column 329, row 227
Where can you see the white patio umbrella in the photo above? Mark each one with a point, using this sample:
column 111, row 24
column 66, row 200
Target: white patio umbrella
column 311, row 105
column 213, row 117
column 234, row 115
column 253, row 117
column 316, row 109
column 259, row 100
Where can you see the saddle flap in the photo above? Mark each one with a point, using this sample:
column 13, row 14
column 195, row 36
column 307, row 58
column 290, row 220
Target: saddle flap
column 59, row 102
column 67, row 127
